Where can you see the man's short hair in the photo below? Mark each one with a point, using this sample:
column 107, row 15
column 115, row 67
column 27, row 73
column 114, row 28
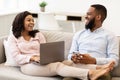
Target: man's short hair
column 100, row 9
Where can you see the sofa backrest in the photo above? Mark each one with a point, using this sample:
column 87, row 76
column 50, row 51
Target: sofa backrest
column 53, row 36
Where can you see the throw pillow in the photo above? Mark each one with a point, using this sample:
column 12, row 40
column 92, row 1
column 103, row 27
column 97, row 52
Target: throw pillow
column 9, row 59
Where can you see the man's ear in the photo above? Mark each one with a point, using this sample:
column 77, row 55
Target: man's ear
column 98, row 17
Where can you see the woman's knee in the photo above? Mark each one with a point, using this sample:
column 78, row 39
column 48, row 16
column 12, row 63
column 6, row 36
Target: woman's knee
column 56, row 66
column 59, row 67
column 68, row 62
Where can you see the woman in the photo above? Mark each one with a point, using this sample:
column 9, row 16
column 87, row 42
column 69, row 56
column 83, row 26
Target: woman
column 25, row 51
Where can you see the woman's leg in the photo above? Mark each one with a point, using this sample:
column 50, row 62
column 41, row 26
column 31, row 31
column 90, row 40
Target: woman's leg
column 59, row 68
column 36, row 69
column 53, row 69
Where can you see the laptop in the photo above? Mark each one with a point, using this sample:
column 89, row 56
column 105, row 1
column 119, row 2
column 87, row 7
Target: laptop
column 51, row 52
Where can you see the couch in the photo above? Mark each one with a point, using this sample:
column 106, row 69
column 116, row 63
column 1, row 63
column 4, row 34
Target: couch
column 14, row 73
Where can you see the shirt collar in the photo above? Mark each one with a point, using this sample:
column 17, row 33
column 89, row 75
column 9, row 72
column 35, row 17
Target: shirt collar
column 96, row 31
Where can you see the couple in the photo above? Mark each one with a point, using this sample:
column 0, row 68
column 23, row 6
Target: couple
column 94, row 51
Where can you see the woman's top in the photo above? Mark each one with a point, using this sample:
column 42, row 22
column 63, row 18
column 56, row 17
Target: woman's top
column 22, row 50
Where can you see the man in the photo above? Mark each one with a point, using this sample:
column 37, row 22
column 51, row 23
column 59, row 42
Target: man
column 94, row 45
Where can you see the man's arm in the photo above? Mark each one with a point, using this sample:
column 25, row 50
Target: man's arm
column 74, row 46
column 112, row 51
column 112, row 54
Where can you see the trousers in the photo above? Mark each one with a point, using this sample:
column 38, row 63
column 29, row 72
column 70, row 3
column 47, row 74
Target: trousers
column 66, row 69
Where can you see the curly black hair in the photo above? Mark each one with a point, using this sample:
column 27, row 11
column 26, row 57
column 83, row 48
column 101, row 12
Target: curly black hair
column 18, row 25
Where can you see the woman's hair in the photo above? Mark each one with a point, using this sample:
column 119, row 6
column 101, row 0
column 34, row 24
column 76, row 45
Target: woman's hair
column 18, row 25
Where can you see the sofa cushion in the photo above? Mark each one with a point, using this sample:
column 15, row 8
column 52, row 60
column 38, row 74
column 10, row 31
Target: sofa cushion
column 9, row 59
column 14, row 73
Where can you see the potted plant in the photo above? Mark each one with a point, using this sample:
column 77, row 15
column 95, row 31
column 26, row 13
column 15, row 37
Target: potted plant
column 42, row 5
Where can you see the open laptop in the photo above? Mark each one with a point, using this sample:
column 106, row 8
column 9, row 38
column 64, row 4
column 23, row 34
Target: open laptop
column 51, row 52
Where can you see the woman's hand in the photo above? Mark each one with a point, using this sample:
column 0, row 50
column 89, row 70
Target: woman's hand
column 35, row 58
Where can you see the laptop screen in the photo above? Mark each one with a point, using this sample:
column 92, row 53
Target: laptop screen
column 51, row 52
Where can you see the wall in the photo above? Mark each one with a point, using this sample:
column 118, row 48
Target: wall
column 5, row 23
column 112, row 21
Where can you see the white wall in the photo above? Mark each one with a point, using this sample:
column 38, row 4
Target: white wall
column 5, row 23
column 81, row 6
column 111, row 23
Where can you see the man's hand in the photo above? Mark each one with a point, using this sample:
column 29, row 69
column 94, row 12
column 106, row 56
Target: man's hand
column 83, row 59
column 76, row 58
column 35, row 58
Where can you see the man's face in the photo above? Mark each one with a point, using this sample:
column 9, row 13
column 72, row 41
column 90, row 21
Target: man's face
column 90, row 24
column 90, row 18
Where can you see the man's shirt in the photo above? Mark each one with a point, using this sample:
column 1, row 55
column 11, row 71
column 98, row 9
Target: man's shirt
column 101, row 44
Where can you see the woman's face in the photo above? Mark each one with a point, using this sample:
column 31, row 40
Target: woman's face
column 28, row 23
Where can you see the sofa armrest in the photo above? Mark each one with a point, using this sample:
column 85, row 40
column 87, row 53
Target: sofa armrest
column 2, row 51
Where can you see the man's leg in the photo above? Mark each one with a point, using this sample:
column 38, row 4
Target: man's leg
column 105, row 77
column 70, row 78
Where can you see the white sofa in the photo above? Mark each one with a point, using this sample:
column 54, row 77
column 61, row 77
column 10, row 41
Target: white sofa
column 14, row 73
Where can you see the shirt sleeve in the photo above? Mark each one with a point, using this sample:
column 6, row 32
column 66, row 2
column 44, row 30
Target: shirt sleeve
column 74, row 47
column 112, row 51
column 15, row 52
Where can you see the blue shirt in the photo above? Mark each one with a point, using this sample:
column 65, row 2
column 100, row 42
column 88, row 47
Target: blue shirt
column 100, row 44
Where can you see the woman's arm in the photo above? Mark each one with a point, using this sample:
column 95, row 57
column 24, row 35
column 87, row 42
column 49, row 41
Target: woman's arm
column 15, row 51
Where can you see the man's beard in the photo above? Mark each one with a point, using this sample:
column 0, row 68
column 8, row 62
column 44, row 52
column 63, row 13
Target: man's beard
column 90, row 25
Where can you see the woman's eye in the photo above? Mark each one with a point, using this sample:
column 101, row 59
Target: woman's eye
column 30, row 20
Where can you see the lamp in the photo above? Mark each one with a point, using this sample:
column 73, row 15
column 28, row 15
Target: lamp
column 47, row 21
